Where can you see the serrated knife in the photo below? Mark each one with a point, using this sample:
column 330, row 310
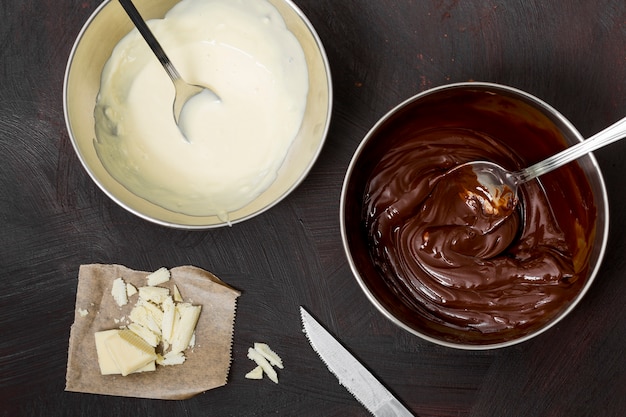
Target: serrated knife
column 350, row 372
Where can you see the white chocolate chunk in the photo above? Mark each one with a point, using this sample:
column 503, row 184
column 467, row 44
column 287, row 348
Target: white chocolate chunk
column 128, row 351
column 105, row 361
column 169, row 315
column 177, row 297
column 159, row 276
column 184, row 328
column 171, row 358
column 130, row 290
column 107, row 366
column 118, row 291
column 269, row 354
column 145, row 333
column 263, row 363
column 154, row 294
column 141, row 316
column 256, row 373
column 82, row 312
column 154, row 311
column 148, row 368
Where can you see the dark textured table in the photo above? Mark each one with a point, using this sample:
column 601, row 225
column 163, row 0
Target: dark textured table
column 571, row 54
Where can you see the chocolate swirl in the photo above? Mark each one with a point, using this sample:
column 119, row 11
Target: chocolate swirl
column 447, row 258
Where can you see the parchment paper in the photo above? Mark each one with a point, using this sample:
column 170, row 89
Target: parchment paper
column 207, row 362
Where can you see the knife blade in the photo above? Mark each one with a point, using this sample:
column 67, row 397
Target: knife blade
column 350, row 372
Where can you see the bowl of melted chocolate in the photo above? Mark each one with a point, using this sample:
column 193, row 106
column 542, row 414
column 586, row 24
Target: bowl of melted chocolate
column 424, row 249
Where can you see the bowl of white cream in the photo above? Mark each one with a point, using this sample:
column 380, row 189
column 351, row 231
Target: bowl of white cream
column 240, row 155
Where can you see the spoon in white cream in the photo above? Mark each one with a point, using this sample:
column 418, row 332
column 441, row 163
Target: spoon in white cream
column 184, row 90
column 501, row 184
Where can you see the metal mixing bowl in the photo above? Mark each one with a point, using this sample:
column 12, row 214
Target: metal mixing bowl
column 398, row 124
column 93, row 46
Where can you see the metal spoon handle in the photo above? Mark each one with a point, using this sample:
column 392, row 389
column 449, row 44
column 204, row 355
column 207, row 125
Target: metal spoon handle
column 145, row 31
column 607, row 136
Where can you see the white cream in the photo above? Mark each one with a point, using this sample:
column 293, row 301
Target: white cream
column 242, row 50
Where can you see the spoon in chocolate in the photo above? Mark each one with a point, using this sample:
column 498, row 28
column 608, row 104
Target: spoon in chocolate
column 501, row 184
column 184, row 90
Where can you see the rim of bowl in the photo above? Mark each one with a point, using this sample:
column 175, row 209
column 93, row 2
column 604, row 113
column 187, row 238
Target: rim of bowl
column 602, row 197
column 305, row 173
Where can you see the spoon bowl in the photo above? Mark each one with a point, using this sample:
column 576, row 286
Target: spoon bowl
column 496, row 185
column 501, row 185
column 184, row 90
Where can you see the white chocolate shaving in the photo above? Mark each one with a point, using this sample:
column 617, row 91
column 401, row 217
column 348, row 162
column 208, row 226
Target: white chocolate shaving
column 177, row 297
column 169, row 315
column 155, row 294
column 269, row 354
column 256, row 373
column 171, row 358
column 184, row 328
column 159, row 276
column 264, row 364
column 130, row 290
column 145, row 333
column 118, row 291
column 141, row 316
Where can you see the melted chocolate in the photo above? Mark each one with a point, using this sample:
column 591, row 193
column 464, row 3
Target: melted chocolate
column 463, row 272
